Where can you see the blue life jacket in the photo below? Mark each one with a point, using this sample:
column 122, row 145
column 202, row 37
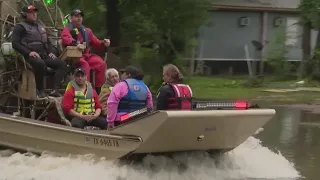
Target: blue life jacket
column 136, row 98
column 84, row 34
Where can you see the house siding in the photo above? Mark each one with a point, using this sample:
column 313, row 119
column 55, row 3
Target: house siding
column 294, row 52
column 225, row 39
column 284, row 4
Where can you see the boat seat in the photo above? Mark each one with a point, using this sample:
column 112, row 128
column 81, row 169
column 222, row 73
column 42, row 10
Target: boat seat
column 27, row 87
column 72, row 55
column 63, row 119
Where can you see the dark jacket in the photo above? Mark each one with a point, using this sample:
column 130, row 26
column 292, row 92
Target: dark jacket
column 19, row 32
column 165, row 92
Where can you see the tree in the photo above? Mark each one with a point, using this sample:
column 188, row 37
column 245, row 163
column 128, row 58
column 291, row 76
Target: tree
column 154, row 32
column 167, row 27
column 310, row 18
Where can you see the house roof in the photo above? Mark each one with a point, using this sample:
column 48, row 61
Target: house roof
column 277, row 5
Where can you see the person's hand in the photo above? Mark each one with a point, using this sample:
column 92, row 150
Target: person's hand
column 86, row 117
column 110, row 125
column 106, row 42
column 34, row 54
column 51, row 55
column 80, row 47
column 93, row 116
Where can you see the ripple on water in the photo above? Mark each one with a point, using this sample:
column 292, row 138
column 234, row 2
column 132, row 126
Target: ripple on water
column 248, row 161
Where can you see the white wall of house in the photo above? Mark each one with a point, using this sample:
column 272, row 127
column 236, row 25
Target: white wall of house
column 287, row 4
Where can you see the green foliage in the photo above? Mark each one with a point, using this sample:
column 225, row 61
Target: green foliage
column 167, row 26
column 310, row 12
column 158, row 32
column 253, row 82
column 276, row 55
column 94, row 11
column 313, row 66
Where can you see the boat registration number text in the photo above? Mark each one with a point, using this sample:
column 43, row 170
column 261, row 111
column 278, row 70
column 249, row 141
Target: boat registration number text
column 106, row 142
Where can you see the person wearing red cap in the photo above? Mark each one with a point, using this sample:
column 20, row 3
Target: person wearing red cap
column 75, row 34
column 30, row 39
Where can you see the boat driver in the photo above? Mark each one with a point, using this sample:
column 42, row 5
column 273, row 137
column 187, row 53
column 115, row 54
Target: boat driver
column 81, row 103
column 30, row 39
column 76, row 34
column 173, row 95
column 128, row 95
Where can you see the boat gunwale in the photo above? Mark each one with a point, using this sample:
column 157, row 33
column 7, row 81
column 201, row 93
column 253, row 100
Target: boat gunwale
column 66, row 128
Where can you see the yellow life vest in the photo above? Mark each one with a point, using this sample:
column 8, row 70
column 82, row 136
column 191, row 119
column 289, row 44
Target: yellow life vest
column 83, row 103
column 106, row 86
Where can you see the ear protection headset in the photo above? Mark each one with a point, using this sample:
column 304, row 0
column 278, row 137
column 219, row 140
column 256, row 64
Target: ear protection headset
column 23, row 14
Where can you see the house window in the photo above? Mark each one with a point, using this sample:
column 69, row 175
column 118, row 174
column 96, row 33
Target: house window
column 244, row 21
column 279, row 22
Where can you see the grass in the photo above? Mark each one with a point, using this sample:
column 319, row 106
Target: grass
column 222, row 88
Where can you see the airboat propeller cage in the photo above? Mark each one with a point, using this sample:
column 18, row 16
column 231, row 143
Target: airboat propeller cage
column 66, row 19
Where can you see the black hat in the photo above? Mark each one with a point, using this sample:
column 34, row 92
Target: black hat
column 76, row 12
column 133, row 71
column 28, row 9
column 79, row 70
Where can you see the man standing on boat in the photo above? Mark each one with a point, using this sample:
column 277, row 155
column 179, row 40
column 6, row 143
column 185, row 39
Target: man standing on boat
column 30, row 39
column 81, row 102
column 129, row 95
column 76, row 34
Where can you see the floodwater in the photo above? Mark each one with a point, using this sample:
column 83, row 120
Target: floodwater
column 283, row 150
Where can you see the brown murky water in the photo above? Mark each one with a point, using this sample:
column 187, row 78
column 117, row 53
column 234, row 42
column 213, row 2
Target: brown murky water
column 296, row 134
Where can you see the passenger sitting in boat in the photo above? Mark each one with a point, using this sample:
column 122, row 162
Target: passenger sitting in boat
column 30, row 39
column 172, row 94
column 112, row 78
column 128, row 95
column 81, row 103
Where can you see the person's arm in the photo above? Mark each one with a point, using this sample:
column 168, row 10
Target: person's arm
column 120, row 90
column 17, row 34
column 149, row 101
column 94, row 41
column 66, row 38
column 50, row 46
column 162, row 97
column 97, row 104
column 68, row 103
column 103, row 97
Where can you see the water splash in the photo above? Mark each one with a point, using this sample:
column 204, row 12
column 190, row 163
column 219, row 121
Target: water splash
column 249, row 160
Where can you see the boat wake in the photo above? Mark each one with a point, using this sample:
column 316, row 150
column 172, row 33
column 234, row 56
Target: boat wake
column 248, row 161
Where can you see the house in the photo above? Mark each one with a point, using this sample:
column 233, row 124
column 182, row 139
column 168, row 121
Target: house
column 236, row 23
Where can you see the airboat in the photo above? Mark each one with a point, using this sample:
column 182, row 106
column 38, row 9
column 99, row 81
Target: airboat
column 37, row 125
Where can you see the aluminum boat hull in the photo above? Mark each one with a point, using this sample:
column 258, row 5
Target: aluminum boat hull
column 159, row 132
